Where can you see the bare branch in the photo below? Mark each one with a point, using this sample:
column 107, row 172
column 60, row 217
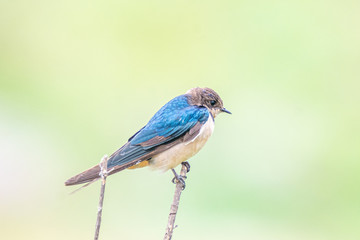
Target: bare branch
column 175, row 205
column 103, row 174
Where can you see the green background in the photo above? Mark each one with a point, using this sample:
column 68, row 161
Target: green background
column 77, row 78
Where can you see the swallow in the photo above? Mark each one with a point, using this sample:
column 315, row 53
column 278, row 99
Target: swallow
column 173, row 135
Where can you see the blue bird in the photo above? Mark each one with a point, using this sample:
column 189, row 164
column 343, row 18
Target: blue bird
column 174, row 134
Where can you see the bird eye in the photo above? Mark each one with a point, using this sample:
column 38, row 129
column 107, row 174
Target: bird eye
column 212, row 102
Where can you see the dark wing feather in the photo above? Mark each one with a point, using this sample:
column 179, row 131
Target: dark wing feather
column 166, row 126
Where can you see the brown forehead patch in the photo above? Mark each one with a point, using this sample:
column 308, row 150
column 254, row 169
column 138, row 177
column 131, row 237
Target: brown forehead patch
column 199, row 96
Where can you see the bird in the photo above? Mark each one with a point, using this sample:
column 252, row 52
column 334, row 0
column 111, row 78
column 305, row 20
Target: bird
column 173, row 135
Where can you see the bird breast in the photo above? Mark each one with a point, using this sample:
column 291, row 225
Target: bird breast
column 181, row 152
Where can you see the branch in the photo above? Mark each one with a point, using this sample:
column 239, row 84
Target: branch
column 103, row 174
column 175, row 205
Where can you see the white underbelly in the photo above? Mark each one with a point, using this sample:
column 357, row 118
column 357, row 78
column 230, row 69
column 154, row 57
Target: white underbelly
column 183, row 151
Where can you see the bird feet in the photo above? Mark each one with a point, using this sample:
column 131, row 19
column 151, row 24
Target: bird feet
column 181, row 179
column 187, row 165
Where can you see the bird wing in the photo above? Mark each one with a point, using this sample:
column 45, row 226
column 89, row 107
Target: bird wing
column 175, row 122
column 168, row 125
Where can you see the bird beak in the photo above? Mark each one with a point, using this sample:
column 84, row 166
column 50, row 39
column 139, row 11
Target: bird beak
column 224, row 110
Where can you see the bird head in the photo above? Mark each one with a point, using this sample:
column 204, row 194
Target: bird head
column 206, row 97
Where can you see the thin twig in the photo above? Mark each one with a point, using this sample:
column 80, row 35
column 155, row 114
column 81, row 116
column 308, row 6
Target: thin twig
column 175, row 205
column 103, row 174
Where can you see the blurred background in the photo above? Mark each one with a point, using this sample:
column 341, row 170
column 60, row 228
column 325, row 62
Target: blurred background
column 78, row 78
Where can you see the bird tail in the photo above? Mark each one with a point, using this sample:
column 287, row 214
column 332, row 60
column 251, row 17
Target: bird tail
column 92, row 174
column 87, row 176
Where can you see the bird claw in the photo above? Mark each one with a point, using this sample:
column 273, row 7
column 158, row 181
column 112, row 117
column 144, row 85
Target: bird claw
column 179, row 179
column 187, row 165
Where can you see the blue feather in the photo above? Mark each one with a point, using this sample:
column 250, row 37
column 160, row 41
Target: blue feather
column 172, row 121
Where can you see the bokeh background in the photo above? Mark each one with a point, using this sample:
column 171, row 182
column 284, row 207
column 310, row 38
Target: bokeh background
column 77, row 78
